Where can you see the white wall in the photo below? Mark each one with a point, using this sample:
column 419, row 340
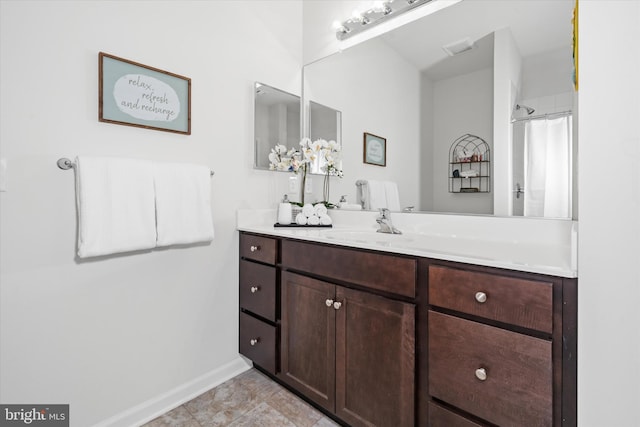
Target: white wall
column 108, row 334
column 506, row 81
column 461, row 105
column 354, row 82
column 609, row 241
column 547, row 73
column 426, row 144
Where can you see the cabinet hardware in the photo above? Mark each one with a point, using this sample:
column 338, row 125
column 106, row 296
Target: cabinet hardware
column 481, row 297
column 337, row 305
column 254, row 341
column 481, row 374
column 255, row 289
column 254, row 248
column 329, row 302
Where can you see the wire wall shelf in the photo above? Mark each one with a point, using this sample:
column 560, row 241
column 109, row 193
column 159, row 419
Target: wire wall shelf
column 469, row 165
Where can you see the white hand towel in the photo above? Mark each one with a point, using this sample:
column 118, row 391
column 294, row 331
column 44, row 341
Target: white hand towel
column 392, row 195
column 307, row 209
column 301, row 219
column 183, row 203
column 313, row 220
column 377, row 195
column 116, row 210
column 319, row 209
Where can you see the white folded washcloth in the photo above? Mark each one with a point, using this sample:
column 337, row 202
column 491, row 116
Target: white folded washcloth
column 319, row 209
column 313, row 220
column 183, row 203
column 116, row 209
column 301, row 219
column 307, row 209
column 325, row 219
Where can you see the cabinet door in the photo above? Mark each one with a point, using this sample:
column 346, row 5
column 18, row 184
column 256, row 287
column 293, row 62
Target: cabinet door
column 308, row 337
column 375, row 365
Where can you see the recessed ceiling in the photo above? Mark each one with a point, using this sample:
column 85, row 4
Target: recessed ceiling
column 537, row 26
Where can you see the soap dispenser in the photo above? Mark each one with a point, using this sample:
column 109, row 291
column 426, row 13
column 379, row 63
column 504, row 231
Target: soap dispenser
column 343, row 201
column 284, row 211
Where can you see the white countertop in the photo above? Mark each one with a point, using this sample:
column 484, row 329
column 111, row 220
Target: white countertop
column 545, row 246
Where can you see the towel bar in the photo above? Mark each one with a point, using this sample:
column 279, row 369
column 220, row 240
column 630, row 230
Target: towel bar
column 66, row 164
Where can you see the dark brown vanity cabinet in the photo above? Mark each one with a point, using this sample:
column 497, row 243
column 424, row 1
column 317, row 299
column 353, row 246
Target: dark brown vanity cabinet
column 382, row 339
column 258, row 300
column 501, row 347
column 349, row 350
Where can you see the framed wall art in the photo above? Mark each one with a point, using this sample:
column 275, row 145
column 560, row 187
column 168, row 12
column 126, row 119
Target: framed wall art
column 375, row 150
column 133, row 94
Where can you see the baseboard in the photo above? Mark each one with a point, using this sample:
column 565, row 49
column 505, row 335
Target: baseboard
column 165, row 402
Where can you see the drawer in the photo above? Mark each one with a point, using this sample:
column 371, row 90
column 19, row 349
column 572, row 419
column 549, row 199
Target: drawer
column 388, row 273
column 442, row 417
column 258, row 248
column 258, row 342
column 500, row 376
column 258, row 289
column 521, row 302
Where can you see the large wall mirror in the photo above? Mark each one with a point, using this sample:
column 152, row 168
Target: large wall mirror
column 516, row 76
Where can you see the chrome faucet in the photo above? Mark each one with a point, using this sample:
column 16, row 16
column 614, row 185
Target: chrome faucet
column 386, row 226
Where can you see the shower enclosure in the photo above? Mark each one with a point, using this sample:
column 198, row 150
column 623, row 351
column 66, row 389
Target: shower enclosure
column 542, row 165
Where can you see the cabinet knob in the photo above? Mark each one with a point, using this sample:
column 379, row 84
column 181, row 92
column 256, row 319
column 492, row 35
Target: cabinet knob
column 255, row 289
column 337, row 305
column 329, row 302
column 254, row 341
column 254, row 248
column 481, row 374
column 481, row 297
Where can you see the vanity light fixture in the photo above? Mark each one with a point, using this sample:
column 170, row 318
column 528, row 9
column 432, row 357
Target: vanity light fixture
column 380, row 12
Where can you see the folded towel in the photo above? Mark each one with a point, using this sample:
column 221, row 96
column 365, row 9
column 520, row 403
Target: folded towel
column 313, row 220
column 325, row 219
column 320, row 209
column 183, row 203
column 372, row 194
column 308, row 209
column 116, row 210
column 469, row 173
column 392, row 195
column 301, row 219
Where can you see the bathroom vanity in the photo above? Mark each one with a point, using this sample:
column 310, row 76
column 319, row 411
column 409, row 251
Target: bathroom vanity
column 381, row 332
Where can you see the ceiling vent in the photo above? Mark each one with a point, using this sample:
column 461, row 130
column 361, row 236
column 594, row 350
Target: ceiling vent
column 458, row 47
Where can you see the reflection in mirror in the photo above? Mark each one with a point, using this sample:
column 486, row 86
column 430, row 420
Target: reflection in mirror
column 403, row 86
column 324, row 123
column 276, row 121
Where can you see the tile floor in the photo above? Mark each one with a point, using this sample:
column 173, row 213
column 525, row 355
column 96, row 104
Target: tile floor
column 250, row 399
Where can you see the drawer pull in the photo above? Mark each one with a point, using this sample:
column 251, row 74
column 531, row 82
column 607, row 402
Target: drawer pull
column 481, row 374
column 337, row 305
column 254, row 341
column 481, row 297
column 254, row 248
column 255, row 289
column 329, row 302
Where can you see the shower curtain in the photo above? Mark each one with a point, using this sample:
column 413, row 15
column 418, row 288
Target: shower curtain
column 548, row 168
